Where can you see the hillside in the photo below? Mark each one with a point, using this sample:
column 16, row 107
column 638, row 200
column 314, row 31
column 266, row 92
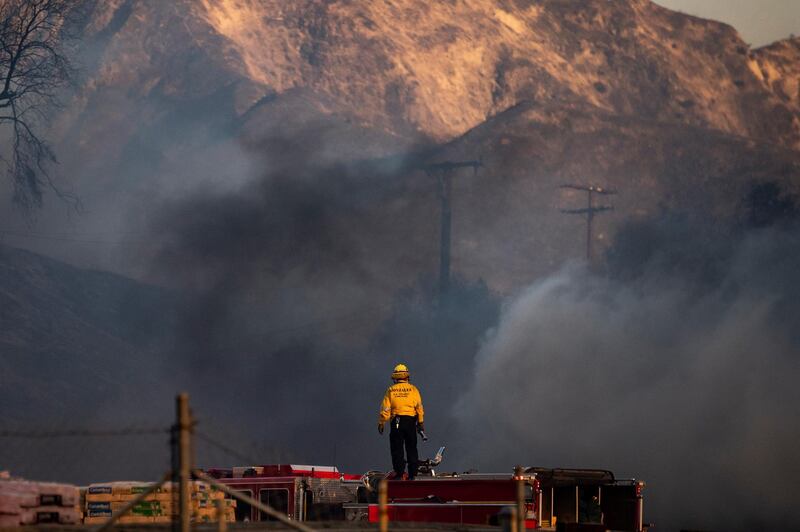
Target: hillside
column 779, row 68
column 74, row 340
column 655, row 168
column 443, row 68
column 180, row 98
column 216, row 140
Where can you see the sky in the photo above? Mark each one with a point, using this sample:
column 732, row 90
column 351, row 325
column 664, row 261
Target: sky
column 759, row 22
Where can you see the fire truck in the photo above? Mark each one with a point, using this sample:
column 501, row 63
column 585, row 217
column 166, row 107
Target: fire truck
column 552, row 496
column 302, row 492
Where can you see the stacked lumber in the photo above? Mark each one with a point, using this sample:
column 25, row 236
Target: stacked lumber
column 25, row 502
column 102, row 500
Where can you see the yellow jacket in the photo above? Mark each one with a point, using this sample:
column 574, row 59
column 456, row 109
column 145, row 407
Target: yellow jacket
column 401, row 399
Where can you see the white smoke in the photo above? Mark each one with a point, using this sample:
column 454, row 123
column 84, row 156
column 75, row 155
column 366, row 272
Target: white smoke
column 689, row 386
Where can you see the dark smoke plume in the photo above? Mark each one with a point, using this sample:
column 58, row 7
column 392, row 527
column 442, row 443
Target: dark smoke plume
column 306, row 288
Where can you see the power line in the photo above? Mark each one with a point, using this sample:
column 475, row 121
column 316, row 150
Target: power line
column 327, row 329
column 224, row 448
column 65, row 237
column 69, row 433
column 74, row 233
column 367, row 313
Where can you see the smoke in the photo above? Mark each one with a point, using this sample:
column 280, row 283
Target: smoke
column 678, row 365
column 304, row 289
column 673, row 363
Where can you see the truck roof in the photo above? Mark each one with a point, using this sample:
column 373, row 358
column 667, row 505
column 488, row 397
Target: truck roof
column 280, row 470
column 571, row 477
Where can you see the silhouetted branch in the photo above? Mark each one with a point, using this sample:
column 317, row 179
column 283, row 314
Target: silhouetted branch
column 33, row 66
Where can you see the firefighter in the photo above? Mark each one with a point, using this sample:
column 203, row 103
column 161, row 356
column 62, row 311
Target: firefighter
column 402, row 407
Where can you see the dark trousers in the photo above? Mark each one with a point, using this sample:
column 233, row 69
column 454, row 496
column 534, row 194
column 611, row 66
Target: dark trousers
column 404, row 433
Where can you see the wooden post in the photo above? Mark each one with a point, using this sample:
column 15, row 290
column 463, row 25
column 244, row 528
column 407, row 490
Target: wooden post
column 521, row 513
column 184, row 461
column 383, row 500
column 514, row 522
column 222, row 524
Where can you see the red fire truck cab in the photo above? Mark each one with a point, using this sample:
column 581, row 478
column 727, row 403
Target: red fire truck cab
column 302, row 492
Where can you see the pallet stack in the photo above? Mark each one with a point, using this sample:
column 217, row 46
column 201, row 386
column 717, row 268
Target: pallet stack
column 25, row 502
column 102, row 500
column 204, row 505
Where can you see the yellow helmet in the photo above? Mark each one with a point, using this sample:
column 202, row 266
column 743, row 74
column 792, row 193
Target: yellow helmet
column 400, row 372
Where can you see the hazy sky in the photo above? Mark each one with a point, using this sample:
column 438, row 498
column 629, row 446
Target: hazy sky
column 758, row 21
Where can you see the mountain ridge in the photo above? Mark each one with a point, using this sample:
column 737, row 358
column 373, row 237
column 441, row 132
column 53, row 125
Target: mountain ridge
column 181, row 97
column 442, row 69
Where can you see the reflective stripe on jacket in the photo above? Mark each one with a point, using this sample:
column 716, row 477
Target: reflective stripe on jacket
column 401, row 399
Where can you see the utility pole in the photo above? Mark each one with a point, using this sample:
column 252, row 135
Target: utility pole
column 590, row 210
column 184, row 429
column 443, row 173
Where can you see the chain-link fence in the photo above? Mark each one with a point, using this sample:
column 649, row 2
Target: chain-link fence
column 131, row 474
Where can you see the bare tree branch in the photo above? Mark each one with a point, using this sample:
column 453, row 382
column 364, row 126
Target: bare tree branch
column 33, row 67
